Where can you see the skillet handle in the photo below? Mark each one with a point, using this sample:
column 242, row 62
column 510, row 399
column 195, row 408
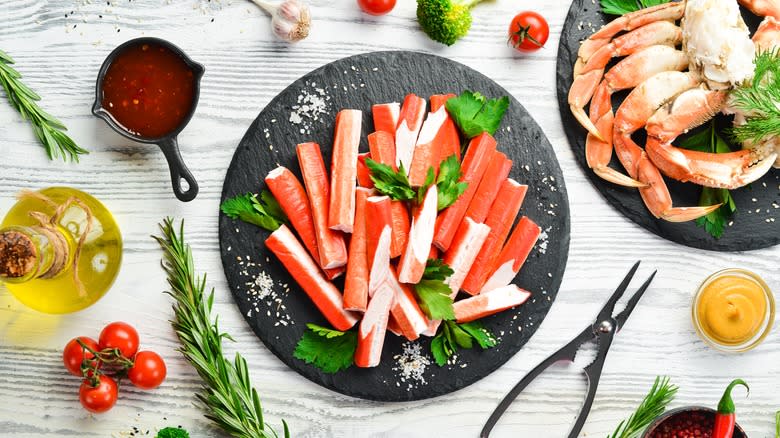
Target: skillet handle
column 179, row 170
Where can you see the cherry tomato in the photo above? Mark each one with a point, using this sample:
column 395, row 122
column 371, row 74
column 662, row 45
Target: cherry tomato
column 376, row 7
column 74, row 355
column 100, row 398
column 120, row 335
column 528, row 31
column 148, row 371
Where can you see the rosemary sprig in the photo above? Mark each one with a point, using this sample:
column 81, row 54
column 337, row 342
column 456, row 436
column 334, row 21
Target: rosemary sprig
column 654, row 404
column 227, row 392
column 49, row 130
column 760, row 100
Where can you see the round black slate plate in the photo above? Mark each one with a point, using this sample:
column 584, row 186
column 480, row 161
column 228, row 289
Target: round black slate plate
column 357, row 82
column 755, row 204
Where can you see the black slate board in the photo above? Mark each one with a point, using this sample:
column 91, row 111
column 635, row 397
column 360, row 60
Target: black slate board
column 750, row 229
column 357, row 82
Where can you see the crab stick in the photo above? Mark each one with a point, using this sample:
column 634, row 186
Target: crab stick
column 356, row 282
column 363, row 174
column 378, row 217
column 382, row 148
column 465, row 247
column 393, row 327
column 476, row 161
column 307, row 274
column 495, row 174
column 386, row 117
column 330, row 244
column 451, row 140
column 500, row 219
column 514, row 254
column 413, row 260
column 489, row 303
column 343, row 171
column 427, row 151
column 410, row 319
column 409, row 123
column 371, row 332
column 401, row 224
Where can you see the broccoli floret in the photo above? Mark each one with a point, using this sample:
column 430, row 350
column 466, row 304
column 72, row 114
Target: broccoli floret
column 172, row 432
column 445, row 21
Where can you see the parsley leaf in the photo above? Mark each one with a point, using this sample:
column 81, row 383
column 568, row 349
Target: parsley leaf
column 622, row 7
column 475, row 114
column 708, row 140
column 327, row 349
column 390, row 182
column 436, row 269
column 265, row 213
column 449, row 189
column 435, row 299
column 453, row 336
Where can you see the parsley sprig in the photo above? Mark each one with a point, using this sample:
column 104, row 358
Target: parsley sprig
column 264, row 212
column 226, row 392
column 475, row 114
column 49, row 130
column 453, row 336
column 714, row 223
column 433, row 293
column 327, row 349
column 653, row 405
column 395, row 184
column 760, row 100
column 622, row 7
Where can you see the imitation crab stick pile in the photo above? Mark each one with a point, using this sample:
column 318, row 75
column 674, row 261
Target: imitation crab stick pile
column 344, row 225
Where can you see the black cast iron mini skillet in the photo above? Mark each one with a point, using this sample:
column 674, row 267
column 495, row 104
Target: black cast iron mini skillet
column 167, row 143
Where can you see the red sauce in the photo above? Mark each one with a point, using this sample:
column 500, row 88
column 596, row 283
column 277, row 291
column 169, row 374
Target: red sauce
column 149, row 90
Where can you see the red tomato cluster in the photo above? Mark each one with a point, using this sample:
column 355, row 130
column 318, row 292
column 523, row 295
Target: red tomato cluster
column 101, row 363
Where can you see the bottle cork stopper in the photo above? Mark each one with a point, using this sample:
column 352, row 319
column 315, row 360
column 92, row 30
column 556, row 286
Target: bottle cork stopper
column 18, row 254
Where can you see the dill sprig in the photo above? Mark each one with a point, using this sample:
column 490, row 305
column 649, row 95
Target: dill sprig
column 227, row 392
column 49, row 130
column 760, row 100
column 654, row 404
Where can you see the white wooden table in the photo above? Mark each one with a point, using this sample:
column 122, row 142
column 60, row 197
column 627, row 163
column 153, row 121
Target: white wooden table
column 59, row 46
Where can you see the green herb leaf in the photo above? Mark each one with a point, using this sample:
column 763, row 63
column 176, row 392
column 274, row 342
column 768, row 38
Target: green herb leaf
column 475, row 114
column 440, row 349
column 390, row 182
column 436, row 269
column 435, row 299
column 327, row 349
column 266, row 214
column 48, row 130
column 447, row 184
column 759, row 100
column 653, row 405
column 453, row 336
column 172, row 432
column 622, row 7
column 430, row 178
column 477, row 331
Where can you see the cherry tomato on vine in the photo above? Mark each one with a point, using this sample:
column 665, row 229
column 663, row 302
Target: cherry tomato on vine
column 528, row 31
column 74, row 354
column 100, row 398
column 148, row 371
column 376, row 7
column 120, row 335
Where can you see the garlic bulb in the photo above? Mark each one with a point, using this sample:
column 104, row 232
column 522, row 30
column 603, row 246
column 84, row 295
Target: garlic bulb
column 290, row 20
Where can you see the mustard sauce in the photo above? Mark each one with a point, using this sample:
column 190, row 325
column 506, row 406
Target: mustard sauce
column 732, row 309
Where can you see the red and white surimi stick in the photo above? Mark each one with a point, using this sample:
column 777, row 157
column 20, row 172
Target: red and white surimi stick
column 495, row 174
column 307, row 274
column 393, row 327
column 363, row 174
column 406, row 312
column 427, row 151
column 465, row 247
column 488, row 303
column 382, row 148
column 500, row 219
column 451, row 140
column 409, row 124
column 378, row 217
column 330, row 243
column 476, row 161
column 343, row 170
column 514, row 254
column 401, row 225
column 371, row 332
column 356, row 282
column 413, row 260
column 386, row 117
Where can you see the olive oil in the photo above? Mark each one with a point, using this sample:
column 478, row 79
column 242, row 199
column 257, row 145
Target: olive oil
column 58, row 248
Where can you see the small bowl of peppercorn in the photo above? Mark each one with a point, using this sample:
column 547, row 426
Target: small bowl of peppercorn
column 687, row 422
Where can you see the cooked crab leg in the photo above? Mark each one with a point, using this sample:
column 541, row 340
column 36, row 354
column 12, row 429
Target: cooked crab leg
column 330, row 243
column 495, row 175
column 385, row 117
column 307, row 274
column 409, row 124
column 489, row 303
column 343, row 172
column 688, row 110
column 763, row 8
column 451, row 141
column 767, row 36
column 363, row 174
column 356, row 281
column 514, row 254
column 587, row 75
column 413, row 260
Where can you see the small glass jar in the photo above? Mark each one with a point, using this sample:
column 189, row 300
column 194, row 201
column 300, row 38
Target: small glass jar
column 764, row 328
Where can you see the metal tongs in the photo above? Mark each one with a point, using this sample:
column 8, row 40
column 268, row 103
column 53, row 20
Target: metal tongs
column 602, row 331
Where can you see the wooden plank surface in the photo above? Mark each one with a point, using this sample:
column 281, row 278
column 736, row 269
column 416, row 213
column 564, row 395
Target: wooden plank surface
column 59, row 46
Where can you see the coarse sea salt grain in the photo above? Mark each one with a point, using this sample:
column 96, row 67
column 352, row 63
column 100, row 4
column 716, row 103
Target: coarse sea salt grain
column 263, row 292
column 411, row 365
column 312, row 104
column 544, row 240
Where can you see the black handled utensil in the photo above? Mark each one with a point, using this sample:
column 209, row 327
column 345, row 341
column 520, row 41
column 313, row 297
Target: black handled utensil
column 602, row 331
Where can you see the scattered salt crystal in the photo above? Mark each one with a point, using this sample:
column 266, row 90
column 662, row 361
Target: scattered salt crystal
column 411, row 365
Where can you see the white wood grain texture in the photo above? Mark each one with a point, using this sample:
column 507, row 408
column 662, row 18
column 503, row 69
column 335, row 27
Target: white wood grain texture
column 245, row 68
